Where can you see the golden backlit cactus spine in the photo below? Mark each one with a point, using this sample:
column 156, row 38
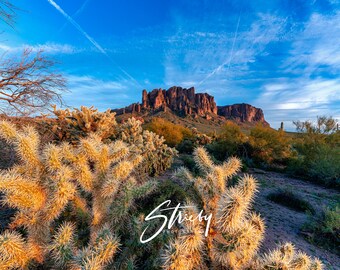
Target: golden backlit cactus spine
column 90, row 175
column 235, row 231
column 37, row 190
column 95, row 256
column 71, row 125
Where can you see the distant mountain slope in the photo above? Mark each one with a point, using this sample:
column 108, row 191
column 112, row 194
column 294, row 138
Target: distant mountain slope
column 184, row 105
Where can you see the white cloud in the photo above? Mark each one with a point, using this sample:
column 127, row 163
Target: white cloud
column 49, row 48
column 103, row 94
column 215, row 59
column 299, row 99
column 316, row 45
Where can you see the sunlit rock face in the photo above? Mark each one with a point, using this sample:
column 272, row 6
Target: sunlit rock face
column 184, row 102
column 242, row 113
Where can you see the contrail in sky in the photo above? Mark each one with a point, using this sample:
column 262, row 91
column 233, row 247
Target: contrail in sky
column 230, row 57
column 94, row 43
column 80, row 10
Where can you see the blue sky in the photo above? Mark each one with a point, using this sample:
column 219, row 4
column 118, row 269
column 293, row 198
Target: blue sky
column 282, row 56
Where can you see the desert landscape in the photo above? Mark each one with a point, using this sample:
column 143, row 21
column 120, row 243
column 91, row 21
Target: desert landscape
column 218, row 149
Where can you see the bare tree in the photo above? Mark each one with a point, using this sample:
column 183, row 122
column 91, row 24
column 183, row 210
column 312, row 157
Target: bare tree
column 29, row 84
column 7, row 12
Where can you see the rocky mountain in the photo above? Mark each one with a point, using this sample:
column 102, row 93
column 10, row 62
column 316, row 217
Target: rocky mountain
column 185, row 102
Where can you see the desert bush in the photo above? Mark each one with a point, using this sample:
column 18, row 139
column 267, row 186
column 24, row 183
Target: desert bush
column 172, row 133
column 291, row 200
column 235, row 232
column 323, row 229
column 230, row 142
column 189, row 143
column 318, row 152
column 157, row 155
column 269, row 145
column 96, row 179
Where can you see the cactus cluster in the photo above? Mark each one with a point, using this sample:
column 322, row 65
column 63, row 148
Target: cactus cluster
column 90, row 178
column 71, row 125
column 235, row 232
column 157, row 155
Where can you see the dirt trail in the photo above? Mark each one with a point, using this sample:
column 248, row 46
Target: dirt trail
column 282, row 223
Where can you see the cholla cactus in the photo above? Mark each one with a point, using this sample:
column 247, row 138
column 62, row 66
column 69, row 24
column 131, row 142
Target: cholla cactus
column 96, row 256
column 44, row 183
column 37, row 188
column 235, row 232
column 72, row 125
column 286, row 257
column 157, row 155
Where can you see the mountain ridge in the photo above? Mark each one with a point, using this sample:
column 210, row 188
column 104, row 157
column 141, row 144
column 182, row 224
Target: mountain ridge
column 185, row 102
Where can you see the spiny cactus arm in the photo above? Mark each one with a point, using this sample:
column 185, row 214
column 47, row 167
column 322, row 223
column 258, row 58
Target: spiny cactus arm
column 316, row 265
column 13, row 251
column 174, row 257
column 258, row 223
column 202, row 160
column 8, row 131
column 279, row 258
column 80, row 203
column 21, row 218
column 231, row 166
column 64, row 192
column 104, row 162
column 83, row 173
column 248, row 186
column 100, row 252
column 234, row 204
column 20, row 192
column 185, row 252
column 232, row 209
column 217, row 180
column 183, row 173
column 53, row 157
column 119, row 173
column 144, row 190
column 90, row 147
column 301, row 261
column 237, row 248
column 118, row 151
column 62, row 247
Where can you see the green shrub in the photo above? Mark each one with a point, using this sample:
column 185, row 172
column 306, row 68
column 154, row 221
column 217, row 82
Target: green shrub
column 318, row 151
column 269, row 145
column 230, row 142
column 291, row 200
column 324, row 229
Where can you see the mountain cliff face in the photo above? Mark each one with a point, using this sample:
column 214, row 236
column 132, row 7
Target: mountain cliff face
column 241, row 112
column 185, row 102
column 181, row 100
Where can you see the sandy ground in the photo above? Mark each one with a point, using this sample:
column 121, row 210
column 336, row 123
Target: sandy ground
column 283, row 224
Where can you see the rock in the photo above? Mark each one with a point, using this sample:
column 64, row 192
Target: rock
column 183, row 101
column 242, row 113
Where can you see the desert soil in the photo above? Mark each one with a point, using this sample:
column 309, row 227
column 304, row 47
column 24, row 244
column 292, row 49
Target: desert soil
column 284, row 224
